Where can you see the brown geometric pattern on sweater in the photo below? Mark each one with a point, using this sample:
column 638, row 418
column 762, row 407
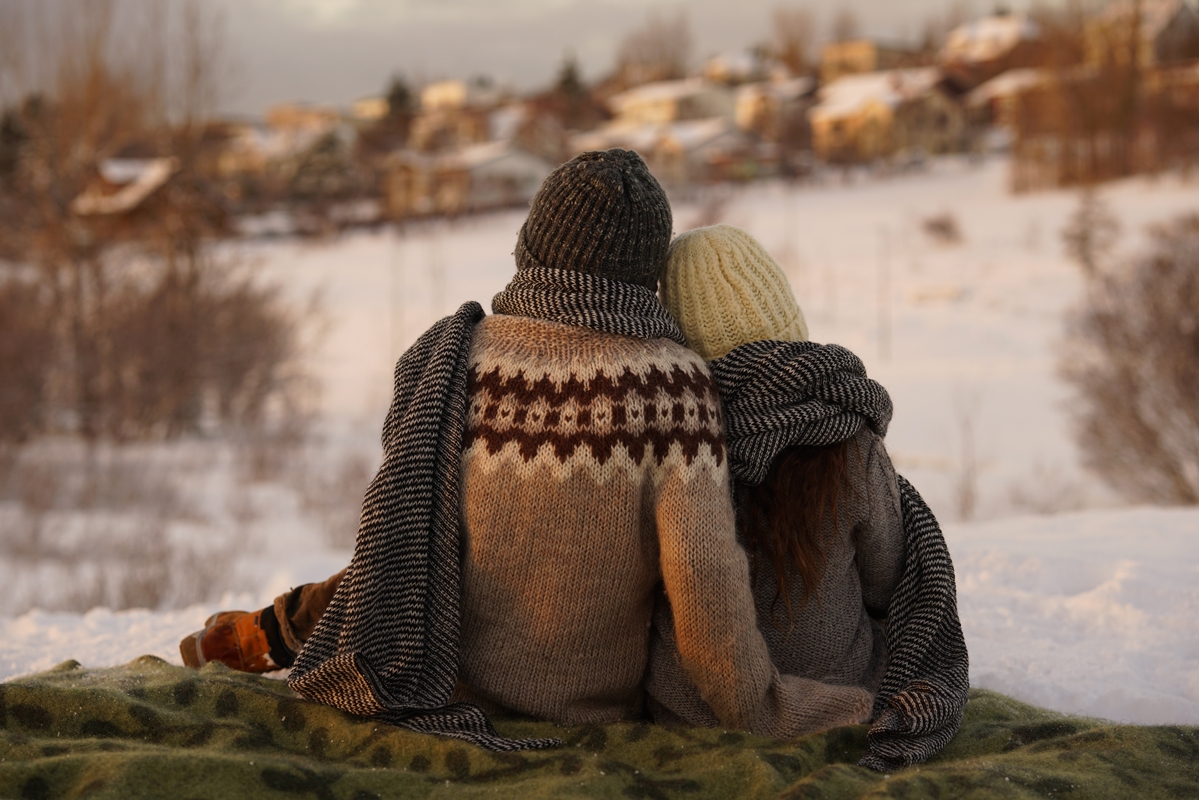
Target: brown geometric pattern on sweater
column 645, row 413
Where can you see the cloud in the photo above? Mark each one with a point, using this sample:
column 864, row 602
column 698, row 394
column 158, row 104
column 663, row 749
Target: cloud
column 325, row 14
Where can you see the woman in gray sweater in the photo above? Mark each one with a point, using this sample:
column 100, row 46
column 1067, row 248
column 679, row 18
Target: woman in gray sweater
column 817, row 497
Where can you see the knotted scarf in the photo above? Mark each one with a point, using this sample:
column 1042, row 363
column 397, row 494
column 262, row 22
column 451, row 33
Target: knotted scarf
column 779, row 394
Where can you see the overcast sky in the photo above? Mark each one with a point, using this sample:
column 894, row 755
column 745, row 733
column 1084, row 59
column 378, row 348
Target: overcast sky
column 333, row 51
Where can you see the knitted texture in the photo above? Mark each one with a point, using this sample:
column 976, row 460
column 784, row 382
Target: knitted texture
column 600, row 213
column 387, row 645
column 725, row 290
column 919, row 705
column 923, row 696
column 592, row 301
column 579, row 469
column 778, row 394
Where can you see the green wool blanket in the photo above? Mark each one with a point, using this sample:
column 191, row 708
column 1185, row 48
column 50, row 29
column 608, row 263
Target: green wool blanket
column 150, row 729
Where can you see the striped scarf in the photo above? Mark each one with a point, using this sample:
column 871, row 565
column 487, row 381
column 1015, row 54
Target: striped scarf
column 592, row 301
column 387, row 645
column 779, row 394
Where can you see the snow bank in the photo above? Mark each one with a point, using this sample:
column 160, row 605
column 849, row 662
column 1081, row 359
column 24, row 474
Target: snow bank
column 1093, row 613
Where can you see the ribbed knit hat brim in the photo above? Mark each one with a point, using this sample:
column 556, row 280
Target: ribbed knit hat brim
column 603, row 213
column 725, row 290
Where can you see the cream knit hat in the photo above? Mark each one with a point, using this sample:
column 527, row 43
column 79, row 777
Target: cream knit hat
column 724, row 290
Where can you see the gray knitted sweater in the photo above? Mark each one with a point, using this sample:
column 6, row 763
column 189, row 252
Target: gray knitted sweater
column 836, row 637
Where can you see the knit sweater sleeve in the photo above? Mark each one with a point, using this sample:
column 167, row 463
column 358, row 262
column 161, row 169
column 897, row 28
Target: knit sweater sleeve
column 879, row 535
column 705, row 574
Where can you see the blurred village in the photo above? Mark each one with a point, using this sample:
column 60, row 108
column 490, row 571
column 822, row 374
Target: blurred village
column 113, row 159
column 1075, row 96
column 133, row 313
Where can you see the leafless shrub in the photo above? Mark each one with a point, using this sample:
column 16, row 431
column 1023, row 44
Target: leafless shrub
column 845, row 25
column 96, row 527
column 1047, row 491
column 794, row 33
column 118, row 566
column 93, row 479
column 334, row 496
column 142, row 332
column 26, row 348
column 942, row 228
column 965, row 487
column 659, row 50
column 1132, row 356
column 1091, row 232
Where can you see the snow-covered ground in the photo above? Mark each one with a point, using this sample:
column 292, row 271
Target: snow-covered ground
column 1089, row 608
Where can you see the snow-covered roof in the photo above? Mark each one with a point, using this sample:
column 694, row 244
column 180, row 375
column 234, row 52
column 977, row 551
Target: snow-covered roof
column 788, row 89
column 988, row 38
column 468, row 157
column 694, row 133
column 849, row 94
column 137, row 178
column 476, row 155
column 504, row 121
column 1009, row 83
column 658, row 91
column 688, row 134
column 735, row 66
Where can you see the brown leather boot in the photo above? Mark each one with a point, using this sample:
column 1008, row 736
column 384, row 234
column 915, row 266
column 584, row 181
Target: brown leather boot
column 234, row 638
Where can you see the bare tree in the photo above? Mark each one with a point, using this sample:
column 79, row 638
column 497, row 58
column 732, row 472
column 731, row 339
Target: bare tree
column 26, row 347
column 1132, row 357
column 937, row 26
column 846, row 25
column 134, row 297
column 794, row 33
column 659, row 50
column 1091, row 232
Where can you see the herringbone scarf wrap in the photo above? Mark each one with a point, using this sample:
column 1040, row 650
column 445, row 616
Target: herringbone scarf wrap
column 387, row 646
column 592, row 301
column 779, row 394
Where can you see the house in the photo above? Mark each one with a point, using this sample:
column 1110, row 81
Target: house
column 685, row 130
column 122, row 185
column 686, row 151
column 370, row 109
column 533, row 128
column 302, row 118
column 884, row 114
column 468, row 179
column 1169, row 33
column 764, row 107
column 981, row 49
column 994, row 104
column 672, row 101
column 748, row 66
column 859, row 56
column 453, row 115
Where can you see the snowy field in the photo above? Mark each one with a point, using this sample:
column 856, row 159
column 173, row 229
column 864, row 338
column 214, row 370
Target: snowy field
column 1068, row 599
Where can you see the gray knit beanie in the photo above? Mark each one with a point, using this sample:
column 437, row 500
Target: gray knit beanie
column 602, row 212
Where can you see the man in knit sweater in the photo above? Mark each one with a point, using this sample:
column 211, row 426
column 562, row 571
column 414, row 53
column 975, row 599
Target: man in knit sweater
column 593, row 467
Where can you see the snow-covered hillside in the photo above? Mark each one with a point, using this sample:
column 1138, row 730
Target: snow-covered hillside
column 1094, row 610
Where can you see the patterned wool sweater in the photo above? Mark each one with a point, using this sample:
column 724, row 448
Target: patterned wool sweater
column 594, row 467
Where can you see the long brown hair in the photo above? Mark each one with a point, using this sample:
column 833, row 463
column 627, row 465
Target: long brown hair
column 785, row 517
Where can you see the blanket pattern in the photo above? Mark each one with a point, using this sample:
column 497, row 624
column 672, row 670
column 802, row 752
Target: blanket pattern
column 150, row 729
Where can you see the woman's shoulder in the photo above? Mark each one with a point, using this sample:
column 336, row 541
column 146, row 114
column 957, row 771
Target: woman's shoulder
column 872, row 471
